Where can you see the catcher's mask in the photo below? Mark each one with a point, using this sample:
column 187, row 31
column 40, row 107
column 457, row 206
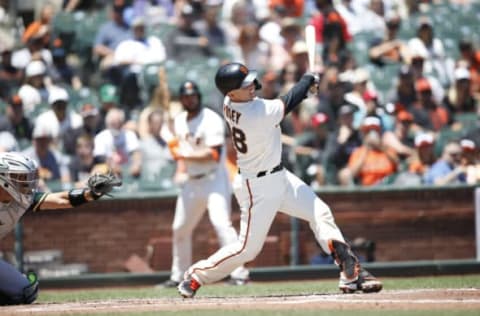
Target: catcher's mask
column 18, row 176
column 233, row 76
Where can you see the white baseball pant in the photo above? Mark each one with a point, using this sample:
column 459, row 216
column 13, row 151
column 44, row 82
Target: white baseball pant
column 212, row 192
column 260, row 199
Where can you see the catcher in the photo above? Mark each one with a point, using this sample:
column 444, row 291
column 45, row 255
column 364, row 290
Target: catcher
column 18, row 196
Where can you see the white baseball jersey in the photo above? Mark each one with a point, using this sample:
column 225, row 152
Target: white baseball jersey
column 203, row 131
column 262, row 189
column 211, row 190
column 255, row 128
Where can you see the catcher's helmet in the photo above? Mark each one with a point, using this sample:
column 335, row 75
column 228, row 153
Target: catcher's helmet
column 233, row 76
column 18, row 176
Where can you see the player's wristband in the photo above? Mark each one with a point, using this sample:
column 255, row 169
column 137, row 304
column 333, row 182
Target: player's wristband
column 94, row 195
column 215, row 154
column 77, row 197
column 173, row 147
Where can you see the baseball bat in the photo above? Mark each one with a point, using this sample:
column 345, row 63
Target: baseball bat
column 310, row 42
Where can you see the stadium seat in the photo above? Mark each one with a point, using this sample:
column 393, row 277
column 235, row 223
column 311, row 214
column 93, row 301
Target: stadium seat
column 384, row 77
column 3, row 105
column 39, row 109
column 63, row 26
column 23, row 143
column 54, row 185
column 85, row 33
column 222, row 53
column 160, row 30
column 148, row 79
column 360, row 45
column 406, row 32
column 468, row 120
column 160, row 180
column 86, row 95
column 444, row 137
column 451, row 47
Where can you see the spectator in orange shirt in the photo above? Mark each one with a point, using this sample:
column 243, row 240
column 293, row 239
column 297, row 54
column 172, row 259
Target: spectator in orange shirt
column 399, row 138
column 293, row 8
column 372, row 163
column 328, row 15
column 426, row 111
column 331, row 30
column 44, row 21
column 424, row 156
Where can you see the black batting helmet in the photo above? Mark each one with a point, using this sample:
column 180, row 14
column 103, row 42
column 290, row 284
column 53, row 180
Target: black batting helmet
column 233, row 76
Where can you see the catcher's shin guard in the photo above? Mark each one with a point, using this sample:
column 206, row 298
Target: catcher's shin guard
column 345, row 259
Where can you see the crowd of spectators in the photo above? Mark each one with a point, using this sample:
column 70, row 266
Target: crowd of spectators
column 398, row 103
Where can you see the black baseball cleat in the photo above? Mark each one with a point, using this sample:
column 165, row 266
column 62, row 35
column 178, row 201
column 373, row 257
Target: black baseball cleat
column 345, row 259
column 366, row 283
column 187, row 288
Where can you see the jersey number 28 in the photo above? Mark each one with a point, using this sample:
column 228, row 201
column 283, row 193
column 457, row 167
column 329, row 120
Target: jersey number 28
column 239, row 139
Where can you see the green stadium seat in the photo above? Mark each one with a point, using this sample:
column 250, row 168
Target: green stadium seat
column 406, row 32
column 54, row 185
column 3, row 106
column 86, row 95
column 223, row 53
column 63, row 22
column 160, row 30
column 39, row 109
column 175, row 75
column 444, row 137
column 86, row 28
column 161, row 180
column 384, row 77
column 468, row 120
column 23, row 143
column 63, row 26
column 360, row 45
column 148, row 79
column 451, row 47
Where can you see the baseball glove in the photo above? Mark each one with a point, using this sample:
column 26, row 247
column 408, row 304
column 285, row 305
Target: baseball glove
column 101, row 184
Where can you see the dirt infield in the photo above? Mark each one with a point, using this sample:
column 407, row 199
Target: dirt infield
column 433, row 299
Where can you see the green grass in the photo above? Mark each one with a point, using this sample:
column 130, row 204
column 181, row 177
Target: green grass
column 255, row 289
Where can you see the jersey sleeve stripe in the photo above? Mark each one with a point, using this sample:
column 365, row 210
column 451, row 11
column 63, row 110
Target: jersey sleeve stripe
column 246, row 236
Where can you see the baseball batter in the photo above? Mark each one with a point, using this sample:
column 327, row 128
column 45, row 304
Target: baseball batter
column 263, row 187
column 18, row 196
column 199, row 146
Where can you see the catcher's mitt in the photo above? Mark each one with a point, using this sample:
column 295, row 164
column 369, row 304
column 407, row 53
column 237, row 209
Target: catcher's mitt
column 101, row 184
